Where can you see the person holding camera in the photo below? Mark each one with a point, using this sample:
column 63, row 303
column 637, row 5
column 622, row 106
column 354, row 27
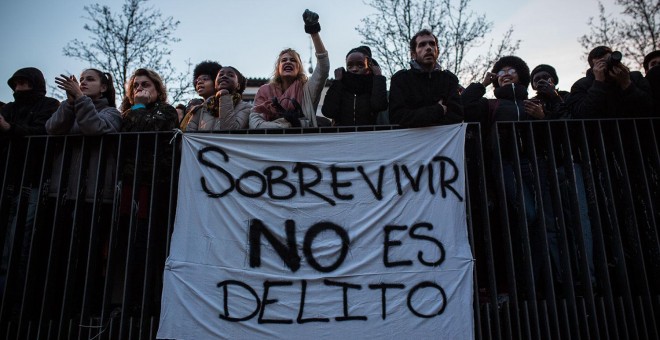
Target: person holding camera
column 359, row 91
column 290, row 99
column 609, row 89
column 425, row 95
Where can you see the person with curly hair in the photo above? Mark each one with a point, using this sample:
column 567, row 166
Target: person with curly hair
column 226, row 110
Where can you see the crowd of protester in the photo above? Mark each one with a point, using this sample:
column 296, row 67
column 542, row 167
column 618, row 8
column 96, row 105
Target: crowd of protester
column 423, row 95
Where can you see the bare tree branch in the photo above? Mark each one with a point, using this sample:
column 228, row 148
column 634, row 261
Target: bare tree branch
column 138, row 36
column 635, row 32
column 459, row 31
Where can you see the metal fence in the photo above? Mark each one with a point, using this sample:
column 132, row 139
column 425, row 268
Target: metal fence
column 561, row 216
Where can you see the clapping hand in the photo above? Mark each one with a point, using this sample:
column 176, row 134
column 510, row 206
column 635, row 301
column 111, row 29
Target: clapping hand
column 70, row 85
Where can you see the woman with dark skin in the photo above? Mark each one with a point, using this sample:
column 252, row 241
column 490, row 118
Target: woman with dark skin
column 358, row 93
column 224, row 111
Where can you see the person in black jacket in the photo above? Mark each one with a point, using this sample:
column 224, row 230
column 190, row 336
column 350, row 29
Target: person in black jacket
column 510, row 78
column 425, row 95
column 358, row 93
column 652, row 72
column 26, row 115
column 544, row 81
column 609, row 90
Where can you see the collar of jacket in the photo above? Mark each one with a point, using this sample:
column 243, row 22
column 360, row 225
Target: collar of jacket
column 414, row 65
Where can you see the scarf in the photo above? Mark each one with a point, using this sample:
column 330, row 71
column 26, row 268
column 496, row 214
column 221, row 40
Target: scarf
column 263, row 101
column 357, row 83
column 508, row 92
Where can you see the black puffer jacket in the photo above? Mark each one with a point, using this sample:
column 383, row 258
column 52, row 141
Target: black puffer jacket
column 508, row 105
column 595, row 99
column 414, row 97
column 355, row 99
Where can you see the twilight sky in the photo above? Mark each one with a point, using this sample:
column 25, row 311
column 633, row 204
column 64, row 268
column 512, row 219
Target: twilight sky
column 248, row 34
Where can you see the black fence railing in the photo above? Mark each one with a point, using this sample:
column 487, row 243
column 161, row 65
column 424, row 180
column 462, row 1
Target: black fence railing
column 562, row 219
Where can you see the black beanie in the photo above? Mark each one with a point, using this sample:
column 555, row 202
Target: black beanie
column 597, row 53
column 33, row 76
column 546, row 68
column 512, row 61
column 364, row 50
column 648, row 57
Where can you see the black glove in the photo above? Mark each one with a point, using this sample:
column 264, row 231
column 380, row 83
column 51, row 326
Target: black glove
column 311, row 20
column 292, row 117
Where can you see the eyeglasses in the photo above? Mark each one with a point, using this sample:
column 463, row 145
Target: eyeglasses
column 202, row 79
column 510, row 72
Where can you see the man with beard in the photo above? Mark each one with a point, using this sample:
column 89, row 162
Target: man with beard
column 424, row 95
column 653, row 77
column 609, row 90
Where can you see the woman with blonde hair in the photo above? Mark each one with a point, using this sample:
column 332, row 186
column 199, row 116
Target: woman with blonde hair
column 291, row 99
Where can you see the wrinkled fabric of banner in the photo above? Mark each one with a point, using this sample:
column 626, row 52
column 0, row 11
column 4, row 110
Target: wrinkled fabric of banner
column 320, row 236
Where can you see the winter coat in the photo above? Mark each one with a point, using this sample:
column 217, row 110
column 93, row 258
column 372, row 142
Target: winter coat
column 90, row 118
column 653, row 78
column 355, row 99
column 155, row 117
column 30, row 110
column 311, row 96
column 415, row 96
column 27, row 115
column 507, row 106
column 231, row 117
column 590, row 98
column 554, row 108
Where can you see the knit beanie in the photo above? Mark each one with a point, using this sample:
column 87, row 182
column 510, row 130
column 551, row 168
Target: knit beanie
column 518, row 64
column 546, row 68
column 364, row 50
column 648, row 57
column 597, row 53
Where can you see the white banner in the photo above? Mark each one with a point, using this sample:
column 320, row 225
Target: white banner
column 338, row 235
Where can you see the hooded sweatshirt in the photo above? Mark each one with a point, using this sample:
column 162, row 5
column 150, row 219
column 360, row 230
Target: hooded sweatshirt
column 28, row 113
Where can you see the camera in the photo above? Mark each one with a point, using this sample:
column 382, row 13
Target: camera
column 614, row 59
